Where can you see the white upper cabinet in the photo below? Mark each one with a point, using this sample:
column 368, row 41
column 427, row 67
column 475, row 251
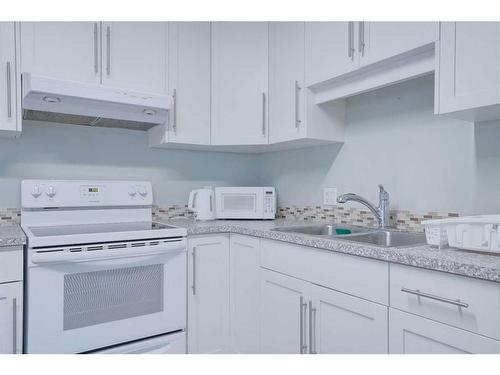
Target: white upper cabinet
column 189, row 82
column 330, row 50
column 134, row 56
column 10, row 122
column 378, row 41
column 293, row 115
column 239, row 83
column 468, row 79
column 62, row 50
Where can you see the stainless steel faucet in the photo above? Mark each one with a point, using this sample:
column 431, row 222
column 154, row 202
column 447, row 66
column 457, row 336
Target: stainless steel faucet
column 382, row 212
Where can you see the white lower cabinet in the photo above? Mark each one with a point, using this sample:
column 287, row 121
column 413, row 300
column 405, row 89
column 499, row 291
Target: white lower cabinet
column 301, row 317
column 11, row 317
column 208, row 289
column 283, row 304
column 244, row 294
column 411, row 334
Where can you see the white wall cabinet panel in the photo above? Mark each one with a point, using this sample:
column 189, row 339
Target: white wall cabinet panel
column 244, row 297
column 135, row 56
column 410, row 334
column 378, row 41
column 189, row 82
column 342, row 324
column 330, row 50
column 11, row 318
column 468, row 80
column 10, row 121
column 240, row 83
column 208, row 288
column 286, row 81
column 283, row 314
column 62, row 50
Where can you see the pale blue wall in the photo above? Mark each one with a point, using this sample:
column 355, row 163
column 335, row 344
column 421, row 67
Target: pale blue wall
column 76, row 152
column 426, row 162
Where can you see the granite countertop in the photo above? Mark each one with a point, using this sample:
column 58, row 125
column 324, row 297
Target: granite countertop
column 11, row 235
column 460, row 262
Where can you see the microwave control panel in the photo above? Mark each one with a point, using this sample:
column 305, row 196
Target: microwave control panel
column 269, row 203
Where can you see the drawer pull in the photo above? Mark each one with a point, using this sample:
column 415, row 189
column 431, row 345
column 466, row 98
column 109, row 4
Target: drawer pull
column 417, row 292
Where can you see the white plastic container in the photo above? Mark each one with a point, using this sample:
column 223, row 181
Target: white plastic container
column 480, row 233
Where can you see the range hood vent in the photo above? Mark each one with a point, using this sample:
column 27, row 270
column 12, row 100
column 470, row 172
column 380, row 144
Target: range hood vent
column 67, row 102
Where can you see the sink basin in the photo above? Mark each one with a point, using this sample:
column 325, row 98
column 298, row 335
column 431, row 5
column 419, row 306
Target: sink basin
column 323, row 230
column 388, row 238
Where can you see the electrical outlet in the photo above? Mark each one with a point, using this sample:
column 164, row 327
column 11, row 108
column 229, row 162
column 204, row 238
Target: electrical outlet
column 330, row 196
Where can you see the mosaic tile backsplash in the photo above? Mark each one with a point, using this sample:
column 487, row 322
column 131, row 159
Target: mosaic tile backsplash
column 404, row 220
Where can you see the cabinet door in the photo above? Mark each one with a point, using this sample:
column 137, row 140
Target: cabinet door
column 11, row 318
column 62, row 50
column 245, row 293
column 380, row 40
column 342, row 324
column 208, row 288
column 411, row 334
column 239, row 83
column 8, row 81
column 468, row 66
column 135, row 56
column 283, row 328
column 189, row 82
column 329, row 50
column 286, row 81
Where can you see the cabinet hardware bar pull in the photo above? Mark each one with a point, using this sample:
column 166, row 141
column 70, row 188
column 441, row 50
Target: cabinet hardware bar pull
column 417, row 292
column 14, row 325
column 303, row 307
column 108, row 50
column 361, row 40
column 2, row 298
column 96, row 51
column 193, row 287
column 297, row 97
column 312, row 329
column 264, row 113
column 174, row 110
column 9, row 91
column 349, row 37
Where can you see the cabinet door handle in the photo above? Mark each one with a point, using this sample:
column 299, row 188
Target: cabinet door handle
column 14, row 325
column 312, row 329
column 96, row 51
column 193, row 286
column 9, row 90
column 297, row 104
column 174, row 110
column 264, row 113
column 350, row 39
column 108, row 50
column 361, row 39
column 303, row 307
column 418, row 293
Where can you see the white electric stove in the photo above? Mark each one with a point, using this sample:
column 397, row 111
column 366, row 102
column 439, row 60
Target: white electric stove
column 101, row 276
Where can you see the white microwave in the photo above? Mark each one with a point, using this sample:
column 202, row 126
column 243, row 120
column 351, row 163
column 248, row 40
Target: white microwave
column 245, row 202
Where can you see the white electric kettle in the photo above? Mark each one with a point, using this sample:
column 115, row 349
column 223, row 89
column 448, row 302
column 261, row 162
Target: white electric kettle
column 202, row 203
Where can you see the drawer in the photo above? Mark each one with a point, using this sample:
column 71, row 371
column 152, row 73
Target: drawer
column 362, row 277
column 463, row 302
column 11, row 264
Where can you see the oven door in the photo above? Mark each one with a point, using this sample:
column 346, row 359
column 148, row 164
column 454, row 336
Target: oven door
column 83, row 301
column 239, row 203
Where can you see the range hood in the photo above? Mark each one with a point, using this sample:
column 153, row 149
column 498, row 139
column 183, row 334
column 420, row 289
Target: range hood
column 67, row 102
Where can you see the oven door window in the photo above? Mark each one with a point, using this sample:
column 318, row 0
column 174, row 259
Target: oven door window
column 239, row 202
column 97, row 297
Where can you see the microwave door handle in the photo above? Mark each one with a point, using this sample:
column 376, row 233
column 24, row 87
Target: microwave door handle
column 98, row 255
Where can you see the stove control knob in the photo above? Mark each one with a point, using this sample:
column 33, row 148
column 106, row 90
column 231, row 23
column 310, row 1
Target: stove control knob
column 51, row 191
column 143, row 191
column 36, row 192
column 132, row 192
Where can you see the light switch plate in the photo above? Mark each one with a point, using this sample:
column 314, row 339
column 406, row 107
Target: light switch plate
column 329, row 196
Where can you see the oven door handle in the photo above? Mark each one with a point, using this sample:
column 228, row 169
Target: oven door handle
column 96, row 255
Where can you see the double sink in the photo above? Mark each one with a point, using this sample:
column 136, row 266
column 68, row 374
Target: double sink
column 379, row 237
